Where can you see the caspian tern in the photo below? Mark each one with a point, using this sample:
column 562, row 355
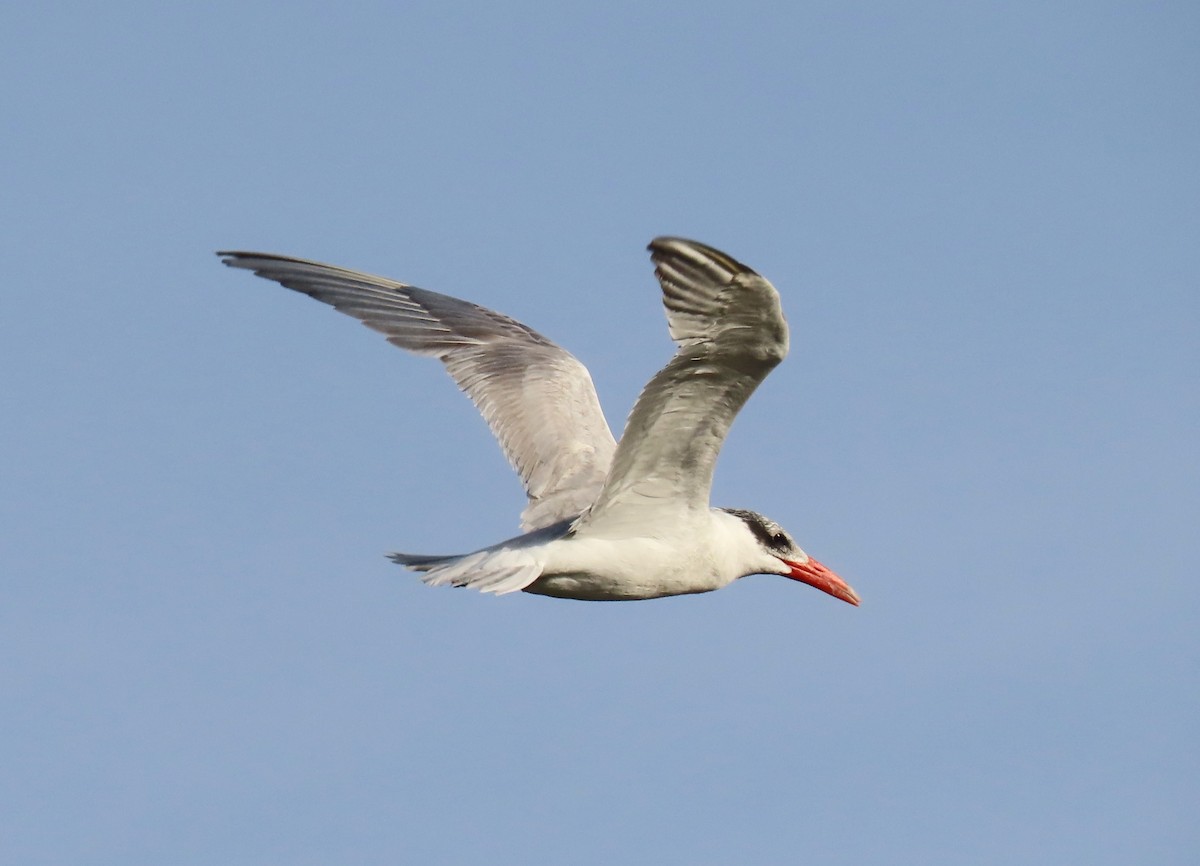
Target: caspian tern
column 605, row 521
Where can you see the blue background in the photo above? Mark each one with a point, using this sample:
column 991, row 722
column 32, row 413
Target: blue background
column 984, row 220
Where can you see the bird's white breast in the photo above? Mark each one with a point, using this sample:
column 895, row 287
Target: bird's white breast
column 696, row 555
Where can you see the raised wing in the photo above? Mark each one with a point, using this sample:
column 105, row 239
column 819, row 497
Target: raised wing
column 537, row 398
column 731, row 333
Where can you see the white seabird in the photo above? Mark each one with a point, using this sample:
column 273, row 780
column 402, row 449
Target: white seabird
column 605, row 521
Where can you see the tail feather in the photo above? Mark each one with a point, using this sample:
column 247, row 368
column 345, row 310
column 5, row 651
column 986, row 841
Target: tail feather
column 420, row 561
column 496, row 571
column 506, row 567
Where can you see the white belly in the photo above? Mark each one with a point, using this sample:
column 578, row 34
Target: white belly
column 602, row 570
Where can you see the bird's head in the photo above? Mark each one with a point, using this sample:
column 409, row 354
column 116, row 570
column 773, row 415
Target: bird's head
column 779, row 554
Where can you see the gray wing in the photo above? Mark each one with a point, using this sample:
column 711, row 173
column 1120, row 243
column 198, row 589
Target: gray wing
column 731, row 333
column 537, row 398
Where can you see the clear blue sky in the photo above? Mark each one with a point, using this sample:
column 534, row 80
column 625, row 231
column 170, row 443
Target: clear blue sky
column 984, row 220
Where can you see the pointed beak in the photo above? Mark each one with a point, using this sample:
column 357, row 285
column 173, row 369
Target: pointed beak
column 817, row 575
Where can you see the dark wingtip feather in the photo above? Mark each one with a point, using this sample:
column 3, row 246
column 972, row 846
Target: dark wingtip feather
column 694, row 254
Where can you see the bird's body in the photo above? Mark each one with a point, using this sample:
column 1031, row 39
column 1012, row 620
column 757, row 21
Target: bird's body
column 606, row 521
column 644, row 566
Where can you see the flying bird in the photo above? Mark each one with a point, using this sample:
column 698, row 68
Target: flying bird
column 605, row 521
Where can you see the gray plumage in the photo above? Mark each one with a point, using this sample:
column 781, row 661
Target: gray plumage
column 538, row 400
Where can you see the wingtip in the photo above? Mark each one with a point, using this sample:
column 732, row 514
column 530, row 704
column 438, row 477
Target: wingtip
column 246, row 258
column 667, row 247
column 238, row 258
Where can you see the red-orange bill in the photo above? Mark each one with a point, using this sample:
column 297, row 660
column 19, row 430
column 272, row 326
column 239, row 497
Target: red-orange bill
column 820, row 577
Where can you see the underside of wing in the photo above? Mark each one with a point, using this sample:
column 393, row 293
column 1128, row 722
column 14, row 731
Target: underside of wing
column 731, row 333
column 538, row 400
